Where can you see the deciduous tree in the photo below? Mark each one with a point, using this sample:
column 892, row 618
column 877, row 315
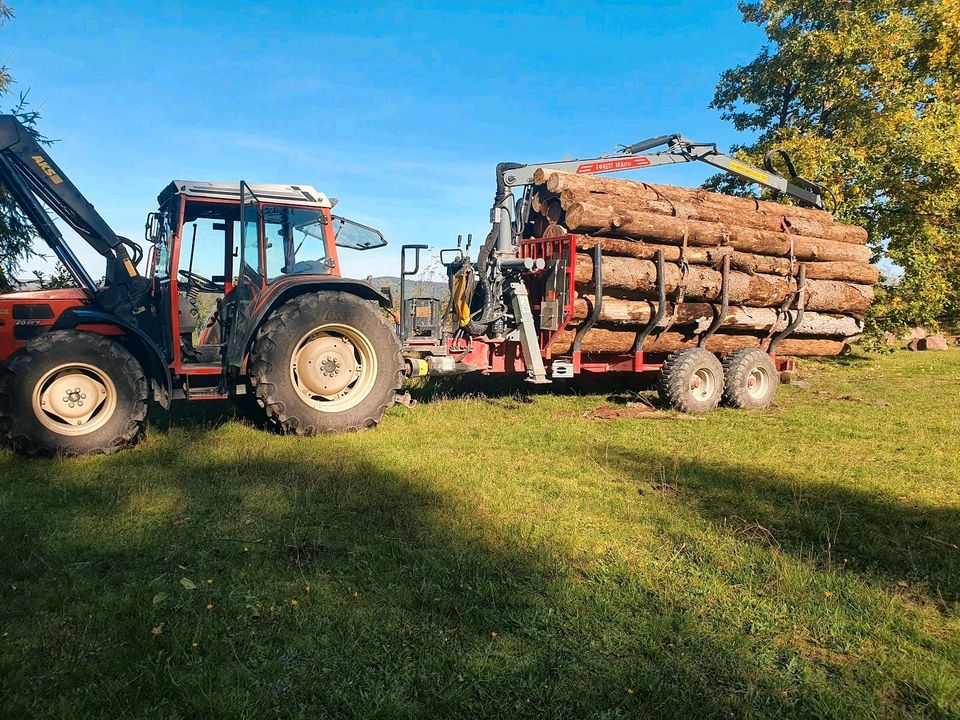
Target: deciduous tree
column 865, row 94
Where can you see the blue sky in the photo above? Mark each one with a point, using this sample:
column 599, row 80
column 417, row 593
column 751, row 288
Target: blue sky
column 400, row 110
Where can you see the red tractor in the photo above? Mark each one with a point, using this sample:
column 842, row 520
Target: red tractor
column 284, row 333
column 317, row 351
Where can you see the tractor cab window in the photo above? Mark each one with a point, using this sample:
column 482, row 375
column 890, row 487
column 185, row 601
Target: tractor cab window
column 353, row 235
column 159, row 232
column 162, row 262
column 295, row 242
column 205, row 273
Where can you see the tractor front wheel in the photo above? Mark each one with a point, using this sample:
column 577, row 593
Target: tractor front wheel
column 72, row 393
column 691, row 381
column 326, row 362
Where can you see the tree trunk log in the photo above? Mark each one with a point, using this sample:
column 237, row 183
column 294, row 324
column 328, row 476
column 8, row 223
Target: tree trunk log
column 856, row 272
column 699, row 316
column 611, row 341
column 682, row 201
column 589, row 219
column 637, row 278
column 718, row 211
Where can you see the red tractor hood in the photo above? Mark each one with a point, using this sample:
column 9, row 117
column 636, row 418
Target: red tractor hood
column 75, row 294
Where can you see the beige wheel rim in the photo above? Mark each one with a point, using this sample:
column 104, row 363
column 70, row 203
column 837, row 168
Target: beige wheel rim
column 333, row 367
column 757, row 382
column 702, row 384
column 74, row 399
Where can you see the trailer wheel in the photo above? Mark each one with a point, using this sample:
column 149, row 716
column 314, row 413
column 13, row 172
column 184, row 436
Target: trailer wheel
column 72, row 393
column 326, row 362
column 691, row 381
column 750, row 379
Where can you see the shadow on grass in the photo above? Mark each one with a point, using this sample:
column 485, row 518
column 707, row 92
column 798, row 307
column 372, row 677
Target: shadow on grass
column 419, row 605
column 194, row 415
column 474, row 385
column 837, row 526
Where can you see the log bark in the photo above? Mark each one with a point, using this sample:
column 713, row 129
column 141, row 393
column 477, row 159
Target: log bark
column 699, row 316
column 771, row 215
column 630, row 277
column 583, row 218
column 611, row 341
column 862, row 273
column 718, row 211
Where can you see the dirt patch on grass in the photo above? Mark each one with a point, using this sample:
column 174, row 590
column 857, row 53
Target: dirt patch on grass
column 630, row 411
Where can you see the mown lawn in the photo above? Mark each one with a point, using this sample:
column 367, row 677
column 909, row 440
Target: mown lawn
column 501, row 557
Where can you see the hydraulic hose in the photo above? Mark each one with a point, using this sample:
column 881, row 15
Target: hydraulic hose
column 489, row 300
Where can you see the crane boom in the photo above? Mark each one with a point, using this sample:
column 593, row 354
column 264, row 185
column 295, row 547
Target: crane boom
column 679, row 149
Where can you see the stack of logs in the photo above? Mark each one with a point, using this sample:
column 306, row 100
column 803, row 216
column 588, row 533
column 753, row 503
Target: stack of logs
column 766, row 243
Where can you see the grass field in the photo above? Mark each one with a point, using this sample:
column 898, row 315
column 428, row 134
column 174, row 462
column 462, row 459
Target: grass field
column 507, row 556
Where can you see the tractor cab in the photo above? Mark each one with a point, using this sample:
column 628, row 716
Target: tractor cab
column 217, row 250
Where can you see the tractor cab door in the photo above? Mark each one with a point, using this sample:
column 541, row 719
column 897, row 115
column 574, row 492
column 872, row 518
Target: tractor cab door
column 250, row 276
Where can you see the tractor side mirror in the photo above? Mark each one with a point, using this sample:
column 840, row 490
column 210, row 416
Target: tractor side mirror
column 153, row 231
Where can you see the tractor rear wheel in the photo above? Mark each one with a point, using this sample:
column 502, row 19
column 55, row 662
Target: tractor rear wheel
column 326, row 362
column 72, row 393
column 691, row 381
column 750, row 379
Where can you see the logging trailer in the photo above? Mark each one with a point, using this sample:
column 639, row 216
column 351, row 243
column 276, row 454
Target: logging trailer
column 286, row 335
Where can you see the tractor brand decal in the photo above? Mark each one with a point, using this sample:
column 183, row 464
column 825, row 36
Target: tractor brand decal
column 27, row 322
column 45, row 166
column 749, row 171
column 611, row 165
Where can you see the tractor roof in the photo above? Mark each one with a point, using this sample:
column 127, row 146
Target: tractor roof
column 299, row 194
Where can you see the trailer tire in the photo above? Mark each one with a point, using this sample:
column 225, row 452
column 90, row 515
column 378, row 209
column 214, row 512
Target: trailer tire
column 326, row 362
column 691, row 381
column 44, row 389
column 750, row 379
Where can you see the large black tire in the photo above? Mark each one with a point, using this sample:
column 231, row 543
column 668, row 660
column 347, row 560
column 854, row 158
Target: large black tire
column 366, row 357
column 691, row 381
column 750, row 379
column 65, row 365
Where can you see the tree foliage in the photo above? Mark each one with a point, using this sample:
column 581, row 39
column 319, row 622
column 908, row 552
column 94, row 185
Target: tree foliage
column 865, row 95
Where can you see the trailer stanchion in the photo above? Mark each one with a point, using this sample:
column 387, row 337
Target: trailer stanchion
column 597, row 306
column 800, row 297
column 721, row 313
column 657, row 316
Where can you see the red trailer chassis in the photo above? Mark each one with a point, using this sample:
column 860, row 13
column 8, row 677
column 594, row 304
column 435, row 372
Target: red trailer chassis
column 494, row 356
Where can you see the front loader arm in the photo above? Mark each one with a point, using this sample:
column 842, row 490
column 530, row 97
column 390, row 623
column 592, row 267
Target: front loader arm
column 33, row 180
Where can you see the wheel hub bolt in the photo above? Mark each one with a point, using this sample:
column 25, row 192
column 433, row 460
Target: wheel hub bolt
column 330, row 366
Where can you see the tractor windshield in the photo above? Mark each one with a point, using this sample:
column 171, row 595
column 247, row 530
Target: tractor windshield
column 296, row 240
column 296, row 243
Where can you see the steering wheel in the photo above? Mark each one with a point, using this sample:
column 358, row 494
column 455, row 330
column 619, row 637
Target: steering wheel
column 200, row 282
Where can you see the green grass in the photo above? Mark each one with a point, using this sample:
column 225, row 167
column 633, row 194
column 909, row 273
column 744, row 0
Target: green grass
column 505, row 556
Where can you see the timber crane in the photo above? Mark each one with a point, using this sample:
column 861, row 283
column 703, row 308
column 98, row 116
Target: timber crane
column 509, row 215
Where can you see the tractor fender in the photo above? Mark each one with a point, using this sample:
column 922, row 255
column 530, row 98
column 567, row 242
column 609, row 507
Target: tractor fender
column 142, row 346
column 284, row 289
